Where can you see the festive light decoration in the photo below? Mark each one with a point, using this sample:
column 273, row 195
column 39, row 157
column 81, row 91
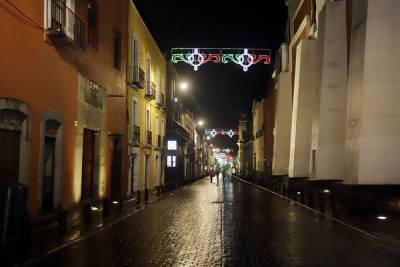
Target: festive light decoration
column 223, row 150
column 214, row 132
column 245, row 60
column 199, row 56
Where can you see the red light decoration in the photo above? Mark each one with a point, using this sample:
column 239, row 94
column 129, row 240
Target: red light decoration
column 228, row 132
column 240, row 56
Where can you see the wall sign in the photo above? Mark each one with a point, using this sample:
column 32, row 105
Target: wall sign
column 171, row 145
column 244, row 57
column 93, row 95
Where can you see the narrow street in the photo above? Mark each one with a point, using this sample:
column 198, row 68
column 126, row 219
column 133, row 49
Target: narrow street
column 237, row 224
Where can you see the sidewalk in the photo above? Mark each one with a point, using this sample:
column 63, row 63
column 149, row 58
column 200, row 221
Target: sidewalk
column 45, row 236
column 384, row 229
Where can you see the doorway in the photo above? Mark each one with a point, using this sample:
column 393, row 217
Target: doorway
column 48, row 173
column 146, row 171
column 132, row 175
column 9, row 156
column 116, row 166
column 88, row 164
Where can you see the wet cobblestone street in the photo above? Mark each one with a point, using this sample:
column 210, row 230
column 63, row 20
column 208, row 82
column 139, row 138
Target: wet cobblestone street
column 232, row 225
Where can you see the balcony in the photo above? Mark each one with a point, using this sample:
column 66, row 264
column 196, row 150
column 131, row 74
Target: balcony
column 138, row 77
column 149, row 138
column 64, row 26
column 135, row 134
column 150, row 90
column 160, row 101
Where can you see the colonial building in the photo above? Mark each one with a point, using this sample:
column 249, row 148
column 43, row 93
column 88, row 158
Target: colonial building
column 258, row 136
column 62, row 100
column 187, row 149
column 146, row 76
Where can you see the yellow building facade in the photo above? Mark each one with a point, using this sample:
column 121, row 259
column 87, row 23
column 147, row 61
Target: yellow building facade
column 146, row 75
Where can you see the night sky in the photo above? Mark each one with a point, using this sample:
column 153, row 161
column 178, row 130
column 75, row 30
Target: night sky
column 219, row 93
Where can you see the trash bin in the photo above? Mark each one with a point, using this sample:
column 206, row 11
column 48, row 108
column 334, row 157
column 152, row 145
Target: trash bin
column 14, row 219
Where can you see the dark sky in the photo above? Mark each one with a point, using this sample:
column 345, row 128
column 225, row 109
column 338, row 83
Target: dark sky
column 219, row 93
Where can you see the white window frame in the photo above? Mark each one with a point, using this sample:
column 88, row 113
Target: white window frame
column 148, row 119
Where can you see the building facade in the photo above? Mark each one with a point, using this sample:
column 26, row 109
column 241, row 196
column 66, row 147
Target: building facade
column 146, row 83
column 62, row 110
column 258, row 136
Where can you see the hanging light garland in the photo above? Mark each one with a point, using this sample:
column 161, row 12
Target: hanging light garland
column 228, row 132
column 223, row 150
column 199, row 56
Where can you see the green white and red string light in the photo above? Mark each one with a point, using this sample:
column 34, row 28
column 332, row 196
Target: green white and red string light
column 197, row 57
column 228, row 132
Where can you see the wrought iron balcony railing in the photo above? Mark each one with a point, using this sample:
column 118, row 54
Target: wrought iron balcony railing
column 160, row 100
column 149, row 138
column 150, row 90
column 64, row 25
column 135, row 134
column 138, row 77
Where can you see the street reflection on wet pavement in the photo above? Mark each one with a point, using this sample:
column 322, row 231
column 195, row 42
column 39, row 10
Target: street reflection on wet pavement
column 233, row 224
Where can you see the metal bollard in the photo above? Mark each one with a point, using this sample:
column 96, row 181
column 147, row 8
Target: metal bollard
column 4, row 223
column 62, row 222
column 86, row 212
column 120, row 203
column 138, row 197
column 106, row 207
column 322, row 203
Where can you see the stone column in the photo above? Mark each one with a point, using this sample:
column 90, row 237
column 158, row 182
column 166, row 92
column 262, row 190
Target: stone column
column 329, row 115
column 303, row 96
column 373, row 120
column 283, row 118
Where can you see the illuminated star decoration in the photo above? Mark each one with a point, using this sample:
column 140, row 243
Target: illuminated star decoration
column 199, row 56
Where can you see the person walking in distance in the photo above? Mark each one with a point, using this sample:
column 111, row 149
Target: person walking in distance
column 211, row 175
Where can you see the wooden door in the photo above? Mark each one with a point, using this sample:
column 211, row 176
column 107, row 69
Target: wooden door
column 48, row 173
column 88, row 163
column 9, row 156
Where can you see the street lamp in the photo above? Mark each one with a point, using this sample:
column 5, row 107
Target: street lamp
column 208, row 137
column 183, row 86
column 200, row 123
column 175, row 99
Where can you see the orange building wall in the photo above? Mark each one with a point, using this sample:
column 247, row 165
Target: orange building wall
column 43, row 75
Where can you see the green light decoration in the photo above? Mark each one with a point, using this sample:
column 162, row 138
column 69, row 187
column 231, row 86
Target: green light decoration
column 199, row 56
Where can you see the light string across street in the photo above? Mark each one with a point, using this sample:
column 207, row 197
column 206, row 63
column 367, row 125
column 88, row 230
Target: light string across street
column 241, row 56
column 228, row 132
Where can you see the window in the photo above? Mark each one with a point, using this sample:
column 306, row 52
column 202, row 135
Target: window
column 117, row 50
column 148, row 72
column 135, row 112
column 171, row 161
column 93, row 24
column 135, row 59
column 157, row 128
column 158, row 80
column 135, row 51
column 148, row 120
